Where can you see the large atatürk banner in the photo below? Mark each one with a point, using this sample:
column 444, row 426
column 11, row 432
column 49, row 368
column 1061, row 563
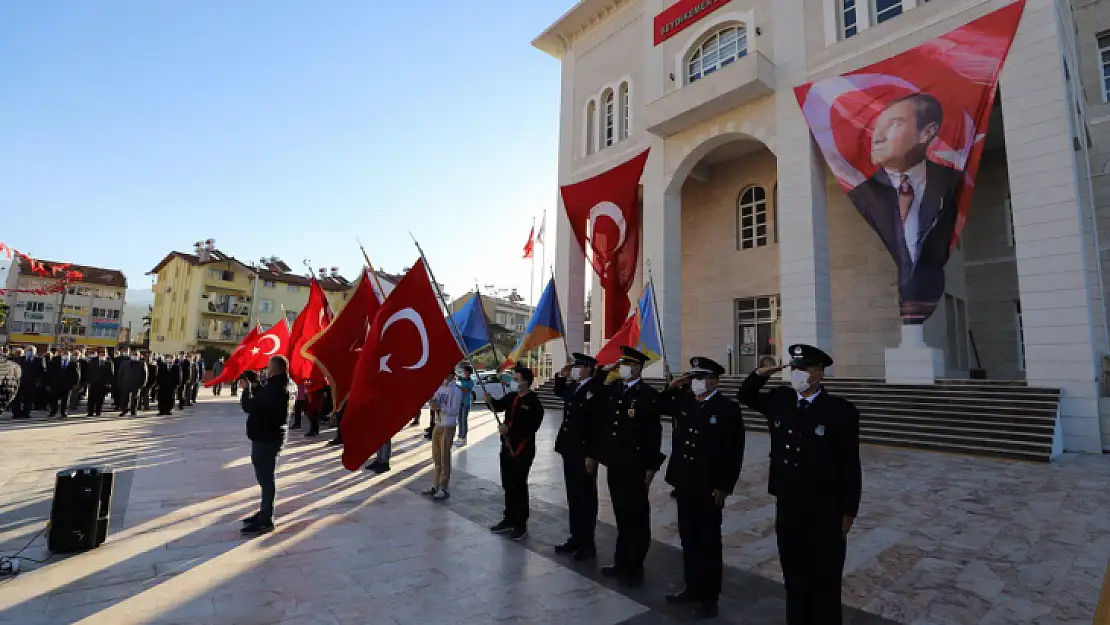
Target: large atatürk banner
column 904, row 137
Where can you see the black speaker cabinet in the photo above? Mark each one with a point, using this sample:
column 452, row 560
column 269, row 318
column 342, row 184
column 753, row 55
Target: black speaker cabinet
column 80, row 512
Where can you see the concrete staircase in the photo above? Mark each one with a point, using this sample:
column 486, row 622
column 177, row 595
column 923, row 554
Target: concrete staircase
column 1004, row 419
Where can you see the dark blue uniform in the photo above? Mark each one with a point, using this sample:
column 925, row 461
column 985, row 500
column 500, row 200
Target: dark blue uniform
column 584, row 404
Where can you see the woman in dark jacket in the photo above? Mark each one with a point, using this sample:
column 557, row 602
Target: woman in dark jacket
column 267, row 407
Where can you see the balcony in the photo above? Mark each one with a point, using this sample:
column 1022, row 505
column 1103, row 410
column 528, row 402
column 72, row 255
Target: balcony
column 220, row 336
column 226, row 307
column 741, row 82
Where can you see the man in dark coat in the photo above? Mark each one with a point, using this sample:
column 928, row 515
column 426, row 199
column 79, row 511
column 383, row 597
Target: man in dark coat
column 199, row 361
column 122, row 356
column 707, row 451
column 185, row 369
column 584, row 404
column 33, row 375
column 147, row 393
column 523, row 416
column 101, row 377
column 629, row 442
column 63, row 375
column 267, row 406
column 132, row 380
column 169, row 376
column 816, row 480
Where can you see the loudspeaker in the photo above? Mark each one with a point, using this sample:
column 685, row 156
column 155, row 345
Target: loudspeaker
column 81, row 509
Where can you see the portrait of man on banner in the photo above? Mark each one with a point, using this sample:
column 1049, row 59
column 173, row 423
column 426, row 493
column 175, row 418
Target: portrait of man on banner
column 904, row 137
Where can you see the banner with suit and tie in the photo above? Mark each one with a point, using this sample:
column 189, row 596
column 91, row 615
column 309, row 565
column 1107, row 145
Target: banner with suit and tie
column 904, row 137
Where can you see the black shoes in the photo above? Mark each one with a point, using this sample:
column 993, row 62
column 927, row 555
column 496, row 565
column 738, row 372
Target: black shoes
column 504, row 527
column 585, row 553
column 377, row 467
column 519, row 532
column 681, row 598
column 335, row 441
column 252, row 519
column 611, row 571
column 634, row 579
column 257, row 528
column 568, row 547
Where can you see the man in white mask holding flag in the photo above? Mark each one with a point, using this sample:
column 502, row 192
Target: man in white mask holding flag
column 815, row 477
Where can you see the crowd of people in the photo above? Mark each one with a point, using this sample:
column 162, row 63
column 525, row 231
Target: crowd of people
column 62, row 378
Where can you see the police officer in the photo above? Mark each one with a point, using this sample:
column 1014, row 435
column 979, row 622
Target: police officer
column 628, row 443
column 816, row 479
column 584, row 403
column 707, row 451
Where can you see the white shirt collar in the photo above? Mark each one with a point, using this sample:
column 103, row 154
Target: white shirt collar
column 809, row 400
column 711, row 394
column 583, row 382
column 631, row 383
column 916, row 174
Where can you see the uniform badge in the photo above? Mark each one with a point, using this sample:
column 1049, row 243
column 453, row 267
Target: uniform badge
column 712, row 420
column 820, row 431
column 589, row 395
column 778, row 423
column 631, row 412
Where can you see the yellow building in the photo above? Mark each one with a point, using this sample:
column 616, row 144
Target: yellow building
column 86, row 315
column 280, row 292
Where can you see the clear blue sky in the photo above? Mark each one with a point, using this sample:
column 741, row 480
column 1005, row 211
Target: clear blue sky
column 279, row 127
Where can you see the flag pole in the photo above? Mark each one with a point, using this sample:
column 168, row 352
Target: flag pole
column 658, row 324
column 370, row 267
column 492, row 345
column 559, row 307
column 541, row 239
column 532, row 281
column 451, row 319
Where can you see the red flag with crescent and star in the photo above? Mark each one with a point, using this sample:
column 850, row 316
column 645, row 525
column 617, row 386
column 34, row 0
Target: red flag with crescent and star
column 234, row 365
column 904, row 137
column 270, row 343
column 604, row 213
column 407, row 354
column 336, row 350
column 312, row 320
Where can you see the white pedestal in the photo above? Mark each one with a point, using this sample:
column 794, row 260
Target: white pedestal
column 913, row 362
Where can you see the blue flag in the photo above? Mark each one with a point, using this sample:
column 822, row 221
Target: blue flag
column 471, row 322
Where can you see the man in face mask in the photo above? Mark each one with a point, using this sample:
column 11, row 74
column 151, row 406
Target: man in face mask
column 815, row 477
column 584, row 403
column 101, row 377
column 523, row 416
column 628, row 442
column 707, row 451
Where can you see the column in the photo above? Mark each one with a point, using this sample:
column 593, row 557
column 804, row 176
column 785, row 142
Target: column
column 804, row 292
column 570, row 268
column 1053, row 269
column 662, row 247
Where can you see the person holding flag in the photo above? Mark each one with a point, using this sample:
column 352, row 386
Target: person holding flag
column 523, row 416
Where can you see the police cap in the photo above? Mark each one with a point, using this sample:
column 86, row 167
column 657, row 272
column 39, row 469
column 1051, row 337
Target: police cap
column 629, row 354
column 700, row 365
column 802, row 355
column 583, row 359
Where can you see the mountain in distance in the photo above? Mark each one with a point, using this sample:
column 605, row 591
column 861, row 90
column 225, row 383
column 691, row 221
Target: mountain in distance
column 140, row 296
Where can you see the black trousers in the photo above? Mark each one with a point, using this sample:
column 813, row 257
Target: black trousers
column 514, row 479
column 194, row 391
column 629, row 493
column 59, row 400
column 298, row 412
column 811, row 550
column 581, row 499
column 165, row 400
column 699, row 528
column 182, row 396
column 129, row 401
column 96, row 398
column 144, row 397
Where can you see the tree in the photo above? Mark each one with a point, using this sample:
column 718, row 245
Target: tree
column 211, row 354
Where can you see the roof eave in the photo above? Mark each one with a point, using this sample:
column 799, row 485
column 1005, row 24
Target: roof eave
column 555, row 40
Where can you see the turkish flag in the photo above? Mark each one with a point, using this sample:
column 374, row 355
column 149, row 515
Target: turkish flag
column 904, row 137
column 234, row 365
column 628, row 334
column 605, row 212
column 531, row 244
column 336, row 350
column 270, row 343
column 408, row 352
column 312, row 320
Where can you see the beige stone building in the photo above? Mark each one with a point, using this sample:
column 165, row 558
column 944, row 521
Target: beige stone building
column 753, row 245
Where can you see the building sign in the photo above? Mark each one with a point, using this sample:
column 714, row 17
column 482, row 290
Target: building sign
column 681, row 15
column 103, row 322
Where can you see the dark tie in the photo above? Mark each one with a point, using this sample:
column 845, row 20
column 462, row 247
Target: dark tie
column 905, row 197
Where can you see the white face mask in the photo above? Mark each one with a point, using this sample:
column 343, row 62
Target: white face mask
column 625, row 372
column 576, row 374
column 700, row 387
column 799, row 380
column 513, row 386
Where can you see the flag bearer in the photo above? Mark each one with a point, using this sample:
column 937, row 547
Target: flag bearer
column 816, row 479
column 523, row 416
column 707, row 451
column 584, row 404
column 628, row 443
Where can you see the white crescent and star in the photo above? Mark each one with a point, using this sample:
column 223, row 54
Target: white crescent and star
column 410, row 315
column 277, row 345
column 613, row 212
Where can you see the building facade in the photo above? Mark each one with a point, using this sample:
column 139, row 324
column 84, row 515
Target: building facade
column 751, row 243
column 86, row 315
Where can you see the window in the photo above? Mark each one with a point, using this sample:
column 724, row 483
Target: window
column 625, row 109
column 292, row 288
column 36, row 306
column 751, row 222
column 214, row 274
column 290, row 316
column 610, row 111
column 1020, row 336
column 848, row 25
column 886, row 9
column 720, row 49
column 269, row 284
column 266, row 305
column 1104, row 64
column 591, row 127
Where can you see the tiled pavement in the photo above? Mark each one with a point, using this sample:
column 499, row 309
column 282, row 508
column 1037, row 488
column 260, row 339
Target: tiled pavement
column 940, row 539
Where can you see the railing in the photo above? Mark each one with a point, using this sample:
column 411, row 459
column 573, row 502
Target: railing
column 228, row 308
column 223, row 337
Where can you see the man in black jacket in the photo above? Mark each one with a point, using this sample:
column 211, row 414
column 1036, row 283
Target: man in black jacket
column 63, row 375
column 169, row 378
column 121, row 357
column 707, row 451
column 100, row 380
column 523, row 416
column 583, row 395
column 816, row 480
column 267, row 407
column 34, row 371
column 629, row 443
column 147, row 393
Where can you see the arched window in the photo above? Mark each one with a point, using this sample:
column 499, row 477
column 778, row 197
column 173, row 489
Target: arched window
column 591, row 127
column 721, row 48
column 609, row 119
column 751, row 218
column 625, row 110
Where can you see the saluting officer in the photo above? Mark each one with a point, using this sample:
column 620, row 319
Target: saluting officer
column 707, row 451
column 816, row 479
column 628, row 443
column 584, row 403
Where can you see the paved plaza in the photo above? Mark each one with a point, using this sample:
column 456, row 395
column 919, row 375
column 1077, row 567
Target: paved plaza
column 940, row 539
